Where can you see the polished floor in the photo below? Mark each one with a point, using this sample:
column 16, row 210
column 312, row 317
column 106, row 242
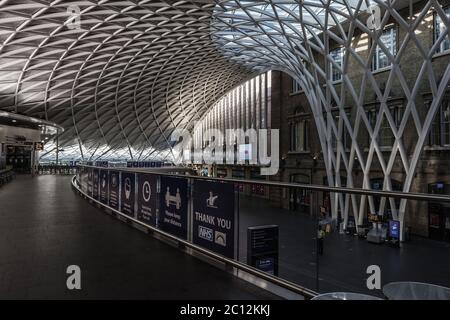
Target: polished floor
column 45, row 227
column 343, row 265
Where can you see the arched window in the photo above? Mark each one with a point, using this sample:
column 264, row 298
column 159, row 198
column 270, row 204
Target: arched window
column 299, row 131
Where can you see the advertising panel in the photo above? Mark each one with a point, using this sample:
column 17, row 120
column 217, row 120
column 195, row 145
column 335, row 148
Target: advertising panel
column 147, row 200
column 114, row 182
column 104, row 182
column 214, row 217
column 173, row 206
column 127, row 193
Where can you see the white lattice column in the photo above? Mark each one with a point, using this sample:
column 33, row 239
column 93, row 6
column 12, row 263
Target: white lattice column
column 297, row 36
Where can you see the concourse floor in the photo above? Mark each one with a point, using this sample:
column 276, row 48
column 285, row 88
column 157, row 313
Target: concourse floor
column 343, row 265
column 45, row 227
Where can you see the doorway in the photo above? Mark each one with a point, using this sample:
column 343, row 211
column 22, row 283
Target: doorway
column 300, row 199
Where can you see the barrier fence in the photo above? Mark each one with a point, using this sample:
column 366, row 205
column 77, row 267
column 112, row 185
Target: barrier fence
column 214, row 217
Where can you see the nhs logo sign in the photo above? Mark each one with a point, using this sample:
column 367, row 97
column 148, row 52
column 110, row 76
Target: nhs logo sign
column 205, row 233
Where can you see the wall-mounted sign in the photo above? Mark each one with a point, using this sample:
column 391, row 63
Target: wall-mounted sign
column 127, row 193
column 262, row 248
column 214, row 217
column 147, row 204
column 114, row 182
column 173, row 206
column 104, row 182
column 95, row 183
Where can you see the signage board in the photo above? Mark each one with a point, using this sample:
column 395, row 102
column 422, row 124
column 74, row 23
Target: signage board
column 103, row 188
column 173, row 206
column 214, row 217
column 127, row 193
column 114, row 182
column 262, row 248
column 147, row 198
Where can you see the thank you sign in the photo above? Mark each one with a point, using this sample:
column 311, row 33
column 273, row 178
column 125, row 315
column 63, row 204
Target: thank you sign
column 214, row 217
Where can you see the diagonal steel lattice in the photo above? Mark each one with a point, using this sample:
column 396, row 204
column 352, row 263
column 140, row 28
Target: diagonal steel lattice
column 136, row 70
column 295, row 37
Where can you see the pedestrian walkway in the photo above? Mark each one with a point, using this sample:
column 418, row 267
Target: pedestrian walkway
column 45, row 227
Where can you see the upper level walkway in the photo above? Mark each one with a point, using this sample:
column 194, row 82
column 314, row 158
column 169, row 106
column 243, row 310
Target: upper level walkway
column 45, row 227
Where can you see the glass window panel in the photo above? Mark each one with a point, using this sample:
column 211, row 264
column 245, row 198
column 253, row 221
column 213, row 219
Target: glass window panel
column 439, row 28
column 389, row 39
column 337, row 55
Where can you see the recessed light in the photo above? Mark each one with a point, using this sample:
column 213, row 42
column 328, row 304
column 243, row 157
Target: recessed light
column 13, row 120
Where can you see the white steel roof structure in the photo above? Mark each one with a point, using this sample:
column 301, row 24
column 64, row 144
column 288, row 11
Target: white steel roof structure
column 120, row 80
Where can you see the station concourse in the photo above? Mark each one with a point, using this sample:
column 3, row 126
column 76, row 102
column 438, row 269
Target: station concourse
column 225, row 150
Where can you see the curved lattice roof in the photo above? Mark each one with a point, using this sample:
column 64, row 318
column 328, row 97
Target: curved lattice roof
column 121, row 79
column 129, row 72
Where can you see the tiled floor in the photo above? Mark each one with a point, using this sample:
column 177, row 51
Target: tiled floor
column 45, row 227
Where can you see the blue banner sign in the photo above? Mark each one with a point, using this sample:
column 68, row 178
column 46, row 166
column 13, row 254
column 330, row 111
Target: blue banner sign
column 173, row 206
column 114, row 182
column 214, row 217
column 104, row 183
column 147, row 203
column 127, row 194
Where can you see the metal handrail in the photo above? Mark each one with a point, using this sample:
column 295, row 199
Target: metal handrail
column 311, row 187
column 308, row 294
